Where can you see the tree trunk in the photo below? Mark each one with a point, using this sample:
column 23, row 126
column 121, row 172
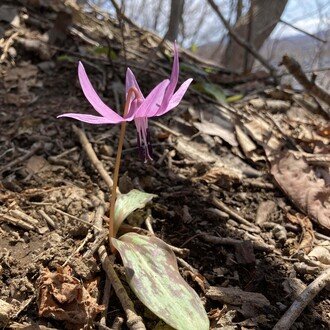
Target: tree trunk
column 175, row 20
column 255, row 27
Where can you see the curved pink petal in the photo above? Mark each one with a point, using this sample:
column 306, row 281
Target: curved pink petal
column 131, row 82
column 173, row 81
column 90, row 118
column 94, row 99
column 176, row 98
column 151, row 102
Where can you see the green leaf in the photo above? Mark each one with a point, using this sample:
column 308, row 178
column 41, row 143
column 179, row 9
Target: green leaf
column 153, row 275
column 212, row 90
column 190, row 68
column 194, row 48
column 66, row 58
column 103, row 50
column 128, row 203
column 234, row 98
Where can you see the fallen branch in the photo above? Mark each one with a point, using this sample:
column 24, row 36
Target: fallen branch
column 302, row 301
column 92, row 156
column 241, row 41
column 295, row 69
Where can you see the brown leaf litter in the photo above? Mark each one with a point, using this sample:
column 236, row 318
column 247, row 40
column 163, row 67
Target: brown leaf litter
column 63, row 297
column 305, row 188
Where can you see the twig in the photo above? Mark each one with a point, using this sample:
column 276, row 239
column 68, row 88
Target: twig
column 17, row 222
column 148, row 222
column 121, row 15
column 96, row 244
column 133, row 320
column 303, row 300
column 216, row 202
column 302, row 31
column 105, row 302
column 260, row 246
column 25, row 217
column 76, row 218
column 7, row 45
column 241, row 41
column 85, row 240
column 35, row 147
column 92, row 155
column 165, row 128
column 47, row 218
column 295, row 69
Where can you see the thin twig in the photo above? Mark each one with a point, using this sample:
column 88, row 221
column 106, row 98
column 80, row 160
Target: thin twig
column 92, row 155
column 303, row 300
column 105, row 302
column 302, row 31
column 35, row 147
column 76, row 218
column 79, row 248
column 216, row 202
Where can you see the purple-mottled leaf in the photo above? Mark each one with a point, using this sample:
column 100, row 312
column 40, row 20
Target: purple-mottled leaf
column 128, row 203
column 153, row 275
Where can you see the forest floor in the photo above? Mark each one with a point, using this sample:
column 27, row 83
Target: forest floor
column 222, row 196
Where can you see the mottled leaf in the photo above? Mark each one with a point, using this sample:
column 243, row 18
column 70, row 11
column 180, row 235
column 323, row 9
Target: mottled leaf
column 153, row 275
column 128, row 203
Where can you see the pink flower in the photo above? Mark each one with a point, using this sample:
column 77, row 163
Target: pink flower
column 160, row 100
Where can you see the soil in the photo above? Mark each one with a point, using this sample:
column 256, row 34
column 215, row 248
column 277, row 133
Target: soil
column 48, row 180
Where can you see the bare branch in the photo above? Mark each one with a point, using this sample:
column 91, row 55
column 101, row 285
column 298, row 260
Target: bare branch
column 302, row 31
column 295, row 69
column 241, row 41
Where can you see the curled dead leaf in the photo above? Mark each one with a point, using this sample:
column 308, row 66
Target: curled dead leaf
column 63, row 297
column 300, row 182
column 307, row 239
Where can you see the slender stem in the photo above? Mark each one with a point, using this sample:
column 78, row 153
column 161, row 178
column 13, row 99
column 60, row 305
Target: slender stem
column 132, row 91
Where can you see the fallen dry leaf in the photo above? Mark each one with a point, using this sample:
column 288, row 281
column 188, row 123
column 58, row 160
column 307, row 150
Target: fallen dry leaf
column 307, row 238
column 223, row 176
column 300, row 182
column 63, row 297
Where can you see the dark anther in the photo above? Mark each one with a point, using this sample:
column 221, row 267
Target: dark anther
column 141, row 151
column 149, row 145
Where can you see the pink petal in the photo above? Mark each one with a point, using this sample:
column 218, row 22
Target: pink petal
column 150, row 103
column 89, row 118
column 131, row 82
column 173, row 80
column 176, row 98
column 94, row 99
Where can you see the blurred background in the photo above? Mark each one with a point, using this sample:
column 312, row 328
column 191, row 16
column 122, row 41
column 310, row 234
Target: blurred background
column 297, row 27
